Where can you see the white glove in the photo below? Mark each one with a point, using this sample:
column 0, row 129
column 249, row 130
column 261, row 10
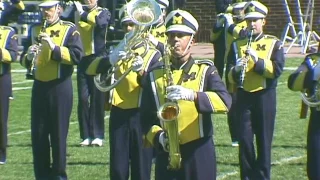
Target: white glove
column 220, row 20
column 45, row 38
column 32, row 51
column 239, row 64
column 253, row 54
column 137, row 64
column 177, row 92
column 152, row 39
column 228, row 20
column 79, row 7
column 1, row 6
column 316, row 72
column 163, row 141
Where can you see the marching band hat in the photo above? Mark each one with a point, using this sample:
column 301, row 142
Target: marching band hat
column 239, row 6
column 164, row 4
column 48, row 3
column 123, row 14
column 181, row 21
column 255, row 10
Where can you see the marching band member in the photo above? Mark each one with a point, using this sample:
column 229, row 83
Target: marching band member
column 52, row 95
column 8, row 54
column 199, row 93
column 258, row 61
column 126, row 145
column 92, row 25
column 306, row 77
column 235, row 29
column 9, row 10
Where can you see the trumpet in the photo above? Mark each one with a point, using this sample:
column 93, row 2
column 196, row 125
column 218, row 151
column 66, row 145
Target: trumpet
column 143, row 13
column 244, row 69
column 30, row 70
column 168, row 114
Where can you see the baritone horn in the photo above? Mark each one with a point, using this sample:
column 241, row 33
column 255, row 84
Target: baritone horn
column 143, row 13
column 312, row 97
column 168, row 114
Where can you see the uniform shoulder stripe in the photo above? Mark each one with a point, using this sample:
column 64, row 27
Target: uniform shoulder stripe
column 204, row 61
column 68, row 23
column 267, row 36
column 7, row 28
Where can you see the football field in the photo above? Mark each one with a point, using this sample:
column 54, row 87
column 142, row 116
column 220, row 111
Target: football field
column 92, row 163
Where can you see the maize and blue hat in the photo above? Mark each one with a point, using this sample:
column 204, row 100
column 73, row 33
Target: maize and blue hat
column 164, row 4
column 48, row 3
column 123, row 14
column 181, row 21
column 255, row 10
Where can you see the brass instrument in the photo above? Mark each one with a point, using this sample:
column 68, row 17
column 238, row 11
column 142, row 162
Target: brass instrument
column 30, row 70
column 168, row 114
column 245, row 66
column 312, row 98
column 143, row 13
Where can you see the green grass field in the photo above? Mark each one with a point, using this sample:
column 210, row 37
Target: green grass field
column 90, row 163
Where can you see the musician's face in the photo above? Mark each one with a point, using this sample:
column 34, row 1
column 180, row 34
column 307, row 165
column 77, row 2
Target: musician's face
column 90, row 3
column 179, row 41
column 51, row 14
column 256, row 25
column 127, row 26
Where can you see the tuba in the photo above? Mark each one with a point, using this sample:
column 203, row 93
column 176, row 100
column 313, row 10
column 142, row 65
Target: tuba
column 143, row 13
column 168, row 114
column 312, row 97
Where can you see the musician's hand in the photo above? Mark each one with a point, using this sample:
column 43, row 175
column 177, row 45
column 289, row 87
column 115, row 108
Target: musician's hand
column 45, row 38
column 177, row 92
column 316, row 72
column 79, row 7
column 122, row 55
column 228, row 19
column 253, row 54
column 220, row 20
column 32, row 51
column 152, row 39
column 240, row 64
column 163, row 140
column 137, row 64
column 1, row 6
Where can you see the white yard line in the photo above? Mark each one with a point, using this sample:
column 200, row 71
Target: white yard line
column 280, row 162
column 23, row 82
column 20, row 88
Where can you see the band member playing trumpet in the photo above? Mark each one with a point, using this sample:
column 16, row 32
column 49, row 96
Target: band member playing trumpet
column 92, row 25
column 258, row 62
column 198, row 91
column 307, row 77
column 60, row 48
column 8, row 54
column 126, row 148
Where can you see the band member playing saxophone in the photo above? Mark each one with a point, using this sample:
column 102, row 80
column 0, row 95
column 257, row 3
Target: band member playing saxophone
column 307, row 78
column 193, row 91
column 127, row 154
column 262, row 62
column 8, row 54
column 60, row 48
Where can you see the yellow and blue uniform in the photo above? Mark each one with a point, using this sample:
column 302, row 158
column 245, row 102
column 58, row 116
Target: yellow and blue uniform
column 92, row 26
column 256, row 101
column 194, row 121
column 8, row 54
column 52, row 97
column 124, row 124
column 11, row 10
column 302, row 80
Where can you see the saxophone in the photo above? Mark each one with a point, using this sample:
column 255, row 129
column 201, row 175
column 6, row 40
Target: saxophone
column 168, row 114
column 30, row 70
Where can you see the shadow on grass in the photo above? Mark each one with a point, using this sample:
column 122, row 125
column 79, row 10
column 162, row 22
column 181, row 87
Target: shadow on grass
column 91, row 163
